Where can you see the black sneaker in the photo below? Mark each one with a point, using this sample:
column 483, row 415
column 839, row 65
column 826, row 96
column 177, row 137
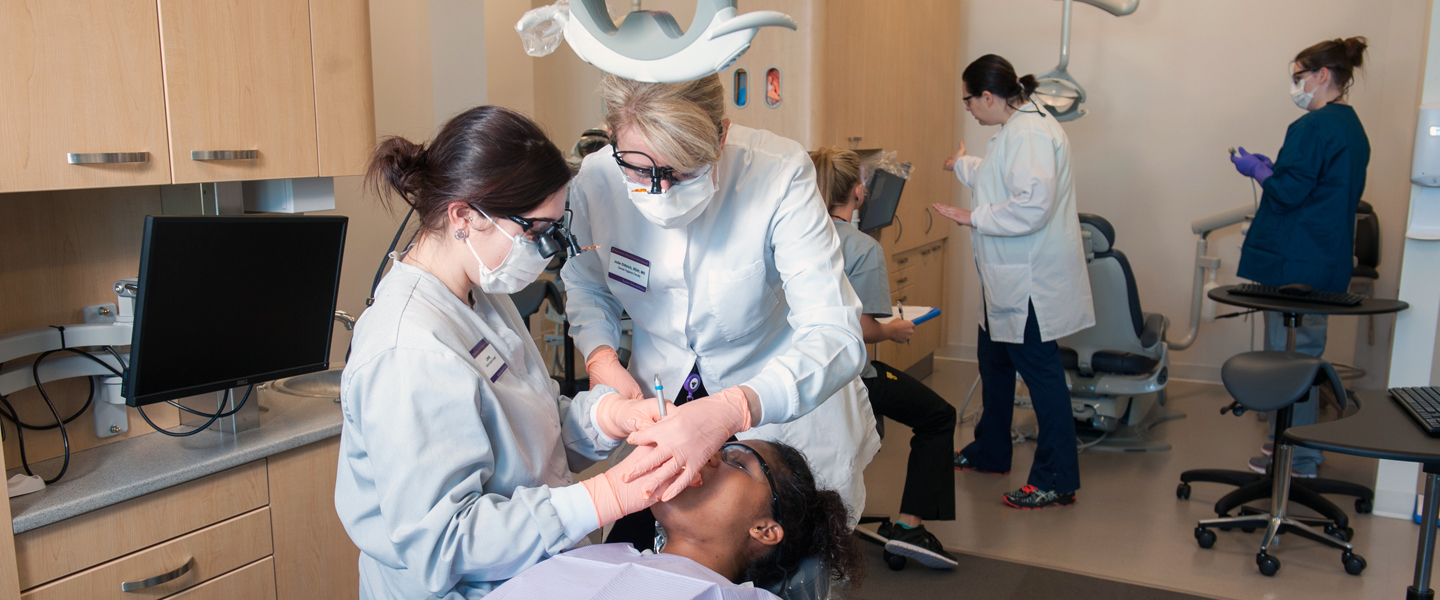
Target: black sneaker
column 962, row 463
column 920, row 545
column 1031, row 498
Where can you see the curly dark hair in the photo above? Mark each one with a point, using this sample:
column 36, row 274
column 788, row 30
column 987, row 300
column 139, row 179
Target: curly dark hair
column 815, row 523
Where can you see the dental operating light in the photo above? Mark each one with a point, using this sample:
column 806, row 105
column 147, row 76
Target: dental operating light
column 1057, row 90
column 648, row 46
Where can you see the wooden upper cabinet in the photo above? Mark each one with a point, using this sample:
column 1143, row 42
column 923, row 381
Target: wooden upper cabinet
column 80, row 76
column 239, row 78
column 344, row 85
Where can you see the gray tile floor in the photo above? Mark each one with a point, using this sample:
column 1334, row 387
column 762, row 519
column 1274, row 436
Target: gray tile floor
column 1129, row 526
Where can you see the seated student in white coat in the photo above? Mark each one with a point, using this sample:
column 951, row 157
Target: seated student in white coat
column 757, row 516
column 456, row 447
column 713, row 238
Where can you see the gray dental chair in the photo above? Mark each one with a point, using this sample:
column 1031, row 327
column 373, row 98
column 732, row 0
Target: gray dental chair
column 1116, row 370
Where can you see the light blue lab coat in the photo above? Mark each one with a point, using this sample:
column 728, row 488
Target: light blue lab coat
column 451, row 483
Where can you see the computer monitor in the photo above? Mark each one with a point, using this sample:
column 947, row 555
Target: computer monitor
column 881, row 200
column 229, row 301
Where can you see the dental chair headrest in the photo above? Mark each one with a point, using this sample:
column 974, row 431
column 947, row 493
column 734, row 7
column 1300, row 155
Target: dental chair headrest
column 1102, row 233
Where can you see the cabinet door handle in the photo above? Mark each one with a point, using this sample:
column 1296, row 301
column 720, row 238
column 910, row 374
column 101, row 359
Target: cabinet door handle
column 929, row 220
column 224, row 154
column 106, row 158
column 135, row 586
column 899, row 227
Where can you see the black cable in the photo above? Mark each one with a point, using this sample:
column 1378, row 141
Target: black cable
column 208, row 415
column 20, row 426
column 1238, row 314
column 201, row 428
column 380, row 272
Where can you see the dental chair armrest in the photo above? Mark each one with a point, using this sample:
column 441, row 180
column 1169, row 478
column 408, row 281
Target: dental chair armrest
column 1155, row 326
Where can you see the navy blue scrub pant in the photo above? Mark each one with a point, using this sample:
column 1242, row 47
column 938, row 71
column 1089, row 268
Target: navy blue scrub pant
column 1056, row 465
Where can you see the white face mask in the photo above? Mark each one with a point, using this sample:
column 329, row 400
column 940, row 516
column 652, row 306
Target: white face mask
column 677, row 206
column 1301, row 97
column 521, row 266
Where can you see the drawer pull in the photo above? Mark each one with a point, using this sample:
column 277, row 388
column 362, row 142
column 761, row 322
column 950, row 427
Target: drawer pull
column 902, row 299
column 135, row 586
column 902, row 261
column 106, row 158
column 902, row 280
column 224, row 154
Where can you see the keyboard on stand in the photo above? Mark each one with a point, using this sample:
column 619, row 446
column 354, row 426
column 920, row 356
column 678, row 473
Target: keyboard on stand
column 1269, row 291
column 1423, row 404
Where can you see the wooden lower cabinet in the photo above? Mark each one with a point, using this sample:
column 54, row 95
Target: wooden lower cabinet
column 255, row 581
column 314, row 557
column 917, row 278
column 266, row 529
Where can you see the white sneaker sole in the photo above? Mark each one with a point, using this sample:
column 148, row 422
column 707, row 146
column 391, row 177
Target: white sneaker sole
column 921, row 555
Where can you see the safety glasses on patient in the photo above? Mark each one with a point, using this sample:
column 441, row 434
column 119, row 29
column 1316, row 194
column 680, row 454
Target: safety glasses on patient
column 747, row 459
column 651, row 176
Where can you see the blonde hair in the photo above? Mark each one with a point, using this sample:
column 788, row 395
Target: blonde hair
column 681, row 122
column 836, row 173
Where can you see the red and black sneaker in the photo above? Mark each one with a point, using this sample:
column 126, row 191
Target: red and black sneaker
column 962, row 463
column 1031, row 498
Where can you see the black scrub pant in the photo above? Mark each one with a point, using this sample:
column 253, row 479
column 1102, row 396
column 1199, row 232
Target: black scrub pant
column 638, row 528
column 1056, row 465
column 930, row 474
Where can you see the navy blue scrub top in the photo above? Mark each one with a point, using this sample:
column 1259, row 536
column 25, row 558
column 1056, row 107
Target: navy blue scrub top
column 1304, row 230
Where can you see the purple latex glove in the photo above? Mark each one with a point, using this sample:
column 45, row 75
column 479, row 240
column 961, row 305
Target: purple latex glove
column 1257, row 166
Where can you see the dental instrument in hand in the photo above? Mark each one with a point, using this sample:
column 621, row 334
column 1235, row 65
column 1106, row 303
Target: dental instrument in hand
column 660, row 396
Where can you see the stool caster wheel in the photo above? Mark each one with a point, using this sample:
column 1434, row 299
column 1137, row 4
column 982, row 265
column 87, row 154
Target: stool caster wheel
column 1364, row 506
column 1248, row 529
column 1204, row 537
column 1182, row 491
column 1269, row 565
column 895, row 561
column 1343, row 534
column 1354, row 563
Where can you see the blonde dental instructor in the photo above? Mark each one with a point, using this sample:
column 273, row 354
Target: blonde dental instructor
column 713, row 238
column 1032, row 272
column 456, row 447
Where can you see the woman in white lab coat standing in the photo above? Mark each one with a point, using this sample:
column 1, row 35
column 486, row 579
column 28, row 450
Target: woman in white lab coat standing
column 1032, row 271
column 714, row 240
column 456, row 447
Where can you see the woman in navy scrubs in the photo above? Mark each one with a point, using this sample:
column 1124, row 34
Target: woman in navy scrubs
column 1304, row 229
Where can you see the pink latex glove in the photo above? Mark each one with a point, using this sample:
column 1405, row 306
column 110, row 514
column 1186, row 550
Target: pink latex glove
column 615, row 498
column 619, row 417
column 688, row 437
column 604, row 369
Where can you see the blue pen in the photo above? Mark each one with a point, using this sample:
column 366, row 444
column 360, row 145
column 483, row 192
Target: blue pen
column 660, row 396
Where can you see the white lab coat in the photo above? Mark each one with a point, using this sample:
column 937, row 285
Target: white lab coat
column 753, row 290
column 1027, row 233
column 448, row 482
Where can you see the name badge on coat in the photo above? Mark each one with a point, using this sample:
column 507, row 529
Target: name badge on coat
column 491, row 365
column 629, row 269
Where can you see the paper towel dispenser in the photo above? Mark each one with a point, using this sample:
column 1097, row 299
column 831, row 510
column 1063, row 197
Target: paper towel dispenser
column 1425, row 169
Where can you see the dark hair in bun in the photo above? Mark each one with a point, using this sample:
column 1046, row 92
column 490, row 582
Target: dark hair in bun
column 1341, row 57
column 994, row 74
column 488, row 157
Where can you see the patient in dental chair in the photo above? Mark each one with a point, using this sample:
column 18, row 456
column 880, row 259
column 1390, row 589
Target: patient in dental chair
column 754, row 519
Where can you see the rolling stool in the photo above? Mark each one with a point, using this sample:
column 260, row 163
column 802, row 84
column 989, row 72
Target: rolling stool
column 1276, row 381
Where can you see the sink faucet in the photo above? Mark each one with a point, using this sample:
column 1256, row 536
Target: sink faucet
column 345, row 319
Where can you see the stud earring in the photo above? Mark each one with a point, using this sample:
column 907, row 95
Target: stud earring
column 461, row 234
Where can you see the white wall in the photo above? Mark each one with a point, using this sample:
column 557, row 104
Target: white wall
column 1171, row 87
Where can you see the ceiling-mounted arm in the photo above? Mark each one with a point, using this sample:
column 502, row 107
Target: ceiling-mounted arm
column 1065, row 37
column 1118, row 8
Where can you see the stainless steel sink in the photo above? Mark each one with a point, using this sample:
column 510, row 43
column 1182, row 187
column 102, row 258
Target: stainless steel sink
column 324, row 384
